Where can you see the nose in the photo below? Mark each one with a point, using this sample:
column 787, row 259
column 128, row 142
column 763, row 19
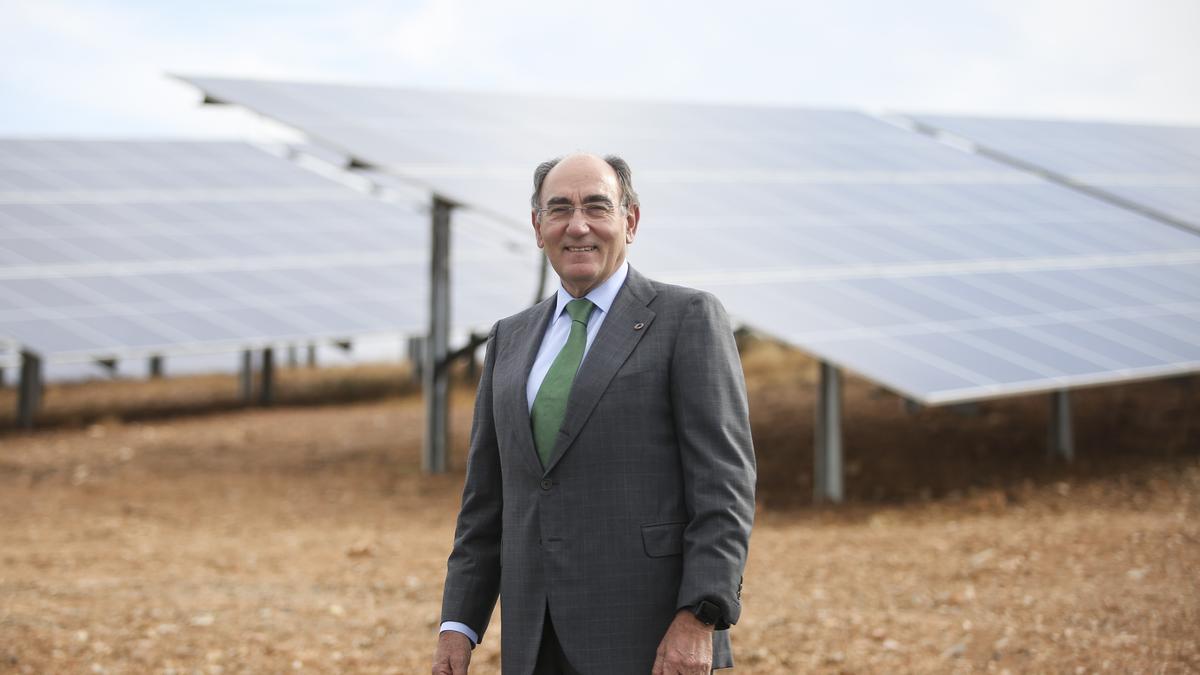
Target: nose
column 577, row 225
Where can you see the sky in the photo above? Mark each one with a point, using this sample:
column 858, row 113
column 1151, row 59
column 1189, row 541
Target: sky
column 80, row 68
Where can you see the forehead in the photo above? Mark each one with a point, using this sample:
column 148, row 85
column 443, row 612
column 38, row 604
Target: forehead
column 580, row 175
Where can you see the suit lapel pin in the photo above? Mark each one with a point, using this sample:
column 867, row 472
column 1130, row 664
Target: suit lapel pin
column 639, row 325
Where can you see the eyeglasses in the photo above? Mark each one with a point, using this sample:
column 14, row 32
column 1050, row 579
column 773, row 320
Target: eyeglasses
column 562, row 213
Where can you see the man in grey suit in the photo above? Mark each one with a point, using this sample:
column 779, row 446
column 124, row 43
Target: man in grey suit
column 610, row 485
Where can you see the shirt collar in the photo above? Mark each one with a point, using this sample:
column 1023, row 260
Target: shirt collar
column 601, row 296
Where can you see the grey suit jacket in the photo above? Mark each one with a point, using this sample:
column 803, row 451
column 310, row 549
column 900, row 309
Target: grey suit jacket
column 648, row 499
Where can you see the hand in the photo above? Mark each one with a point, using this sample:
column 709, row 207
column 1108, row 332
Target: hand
column 453, row 653
column 686, row 649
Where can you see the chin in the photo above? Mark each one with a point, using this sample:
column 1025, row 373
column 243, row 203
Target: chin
column 580, row 273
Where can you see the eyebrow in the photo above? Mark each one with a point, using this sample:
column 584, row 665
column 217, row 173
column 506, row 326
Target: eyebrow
column 590, row 199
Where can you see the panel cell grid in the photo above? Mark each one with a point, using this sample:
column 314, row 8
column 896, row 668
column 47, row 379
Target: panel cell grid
column 940, row 273
column 1157, row 167
column 114, row 248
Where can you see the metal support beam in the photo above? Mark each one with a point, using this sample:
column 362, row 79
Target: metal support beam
column 246, row 377
column 156, row 367
column 29, row 394
column 266, row 383
column 436, row 383
column 108, row 364
column 827, row 445
column 1062, row 438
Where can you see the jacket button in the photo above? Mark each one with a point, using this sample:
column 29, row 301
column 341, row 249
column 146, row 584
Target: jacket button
column 547, row 483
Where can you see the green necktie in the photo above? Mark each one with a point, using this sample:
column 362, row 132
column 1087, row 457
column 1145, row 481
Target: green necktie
column 550, row 404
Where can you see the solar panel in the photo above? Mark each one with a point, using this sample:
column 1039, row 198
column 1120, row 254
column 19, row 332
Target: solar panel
column 122, row 248
column 1157, row 167
column 941, row 274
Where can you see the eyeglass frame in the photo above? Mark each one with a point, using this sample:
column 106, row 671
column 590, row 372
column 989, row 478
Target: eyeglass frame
column 610, row 210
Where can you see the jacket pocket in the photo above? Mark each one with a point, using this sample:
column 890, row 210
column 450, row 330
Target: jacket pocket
column 663, row 539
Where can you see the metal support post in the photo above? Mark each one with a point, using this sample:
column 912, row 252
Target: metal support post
column 543, row 273
column 1062, row 439
column 827, row 456
column 293, row 356
column 156, row 366
column 266, row 383
column 312, row 355
column 416, row 357
column 29, row 394
column 246, row 377
column 435, row 378
column 473, row 363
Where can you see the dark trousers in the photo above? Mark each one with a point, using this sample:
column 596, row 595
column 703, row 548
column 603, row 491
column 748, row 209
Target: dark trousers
column 551, row 660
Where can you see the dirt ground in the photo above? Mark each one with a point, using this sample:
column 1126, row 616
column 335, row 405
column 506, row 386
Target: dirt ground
column 303, row 538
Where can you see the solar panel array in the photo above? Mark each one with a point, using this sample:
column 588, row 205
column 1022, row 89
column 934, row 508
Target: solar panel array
column 942, row 274
column 112, row 248
column 1157, row 167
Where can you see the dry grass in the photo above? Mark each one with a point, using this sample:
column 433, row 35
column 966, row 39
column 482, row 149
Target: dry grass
column 304, row 539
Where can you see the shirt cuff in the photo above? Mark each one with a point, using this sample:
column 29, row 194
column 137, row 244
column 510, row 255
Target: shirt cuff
column 460, row 628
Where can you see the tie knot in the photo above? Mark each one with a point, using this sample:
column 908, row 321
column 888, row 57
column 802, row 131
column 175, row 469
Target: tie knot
column 579, row 310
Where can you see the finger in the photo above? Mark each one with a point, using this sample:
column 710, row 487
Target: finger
column 658, row 665
column 441, row 664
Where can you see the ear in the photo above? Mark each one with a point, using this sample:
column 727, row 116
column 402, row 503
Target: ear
column 537, row 231
column 632, row 215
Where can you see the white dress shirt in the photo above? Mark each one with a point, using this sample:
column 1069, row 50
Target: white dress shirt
column 553, row 340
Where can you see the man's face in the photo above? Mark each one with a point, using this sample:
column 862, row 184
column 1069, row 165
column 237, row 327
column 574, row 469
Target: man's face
column 584, row 249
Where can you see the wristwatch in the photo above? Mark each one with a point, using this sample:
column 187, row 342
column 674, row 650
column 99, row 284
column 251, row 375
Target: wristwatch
column 708, row 613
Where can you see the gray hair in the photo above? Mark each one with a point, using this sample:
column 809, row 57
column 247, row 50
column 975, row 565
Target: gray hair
column 621, row 167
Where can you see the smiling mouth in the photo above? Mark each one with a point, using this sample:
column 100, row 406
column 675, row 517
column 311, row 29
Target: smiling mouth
column 580, row 249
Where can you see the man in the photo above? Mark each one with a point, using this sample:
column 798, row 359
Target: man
column 610, row 485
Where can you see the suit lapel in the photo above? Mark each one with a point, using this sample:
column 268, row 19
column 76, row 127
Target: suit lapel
column 623, row 328
column 526, row 336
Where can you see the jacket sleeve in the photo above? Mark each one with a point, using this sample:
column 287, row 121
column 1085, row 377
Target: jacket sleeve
column 473, row 570
column 712, row 425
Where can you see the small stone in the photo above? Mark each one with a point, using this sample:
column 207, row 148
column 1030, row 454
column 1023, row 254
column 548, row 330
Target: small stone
column 955, row 651
column 980, row 559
